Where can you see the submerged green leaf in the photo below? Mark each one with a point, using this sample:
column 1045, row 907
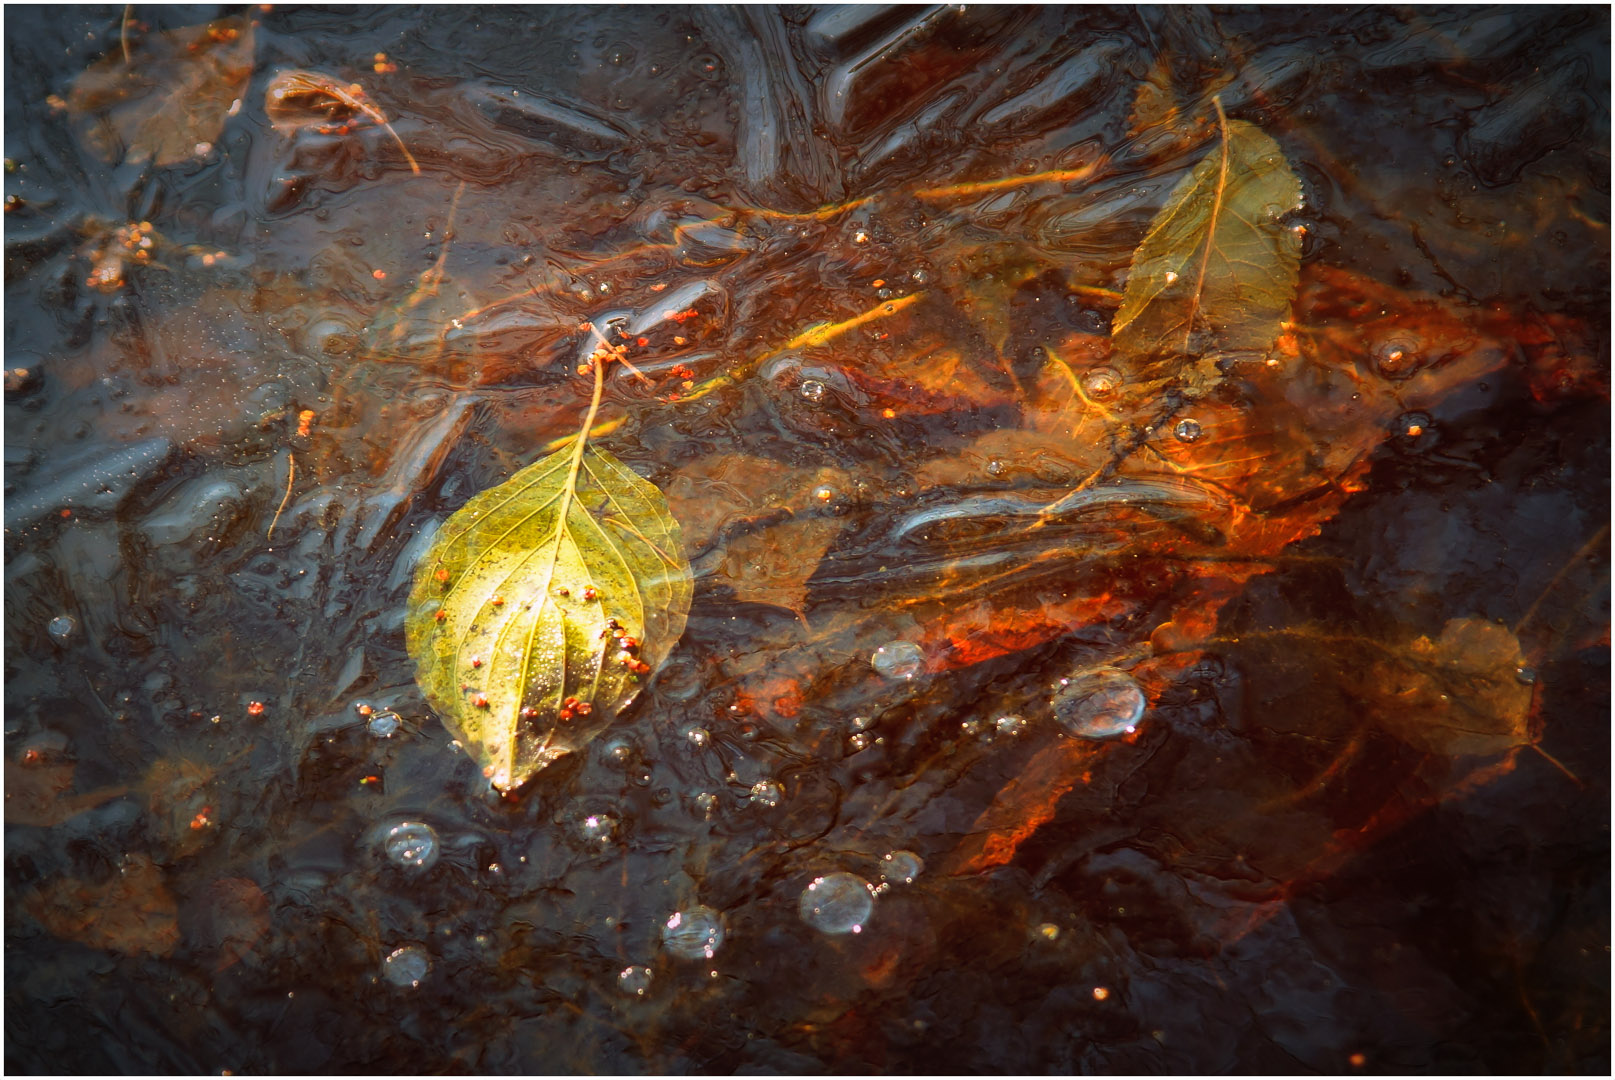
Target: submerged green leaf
column 1215, row 274
column 542, row 606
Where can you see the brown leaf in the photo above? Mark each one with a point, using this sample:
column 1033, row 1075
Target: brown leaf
column 1458, row 694
column 36, row 794
column 225, row 919
column 169, row 100
column 772, row 563
column 132, row 913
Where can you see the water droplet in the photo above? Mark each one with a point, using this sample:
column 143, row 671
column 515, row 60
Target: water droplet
column 767, row 793
column 695, row 933
column 838, row 903
column 61, row 628
column 383, row 725
column 1102, row 383
column 406, row 966
column 1099, row 706
column 898, row 660
column 900, row 867
column 859, row 742
column 634, row 981
column 412, row 845
column 996, row 468
column 812, row 390
column 699, row 737
column 1187, row 430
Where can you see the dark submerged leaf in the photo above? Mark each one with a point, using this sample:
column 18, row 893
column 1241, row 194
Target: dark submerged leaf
column 168, row 102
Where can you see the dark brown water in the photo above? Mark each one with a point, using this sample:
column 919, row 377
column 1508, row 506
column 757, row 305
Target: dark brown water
column 214, row 740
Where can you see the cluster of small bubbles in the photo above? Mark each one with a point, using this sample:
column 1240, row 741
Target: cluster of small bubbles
column 406, row 966
column 1101, row 383
column 1187, row 430
column 598, row 830
column 919, row 276
column 634, row 981
column 812, row 390
column 861, row 723
column 996, row 468
column 898, row 660
column 1099, row 706
column 412, row 845
column 1010, row 725
column 695, row 933
column 706, row 802
column 699, row 737
column 61, row 629
column 838, row 903
column 900, row 867
column 767, row 793
column 860, row 741
column 383, row 725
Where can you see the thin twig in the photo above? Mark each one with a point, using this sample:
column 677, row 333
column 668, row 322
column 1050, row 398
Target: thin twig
column 123, row 31
column 291, row 471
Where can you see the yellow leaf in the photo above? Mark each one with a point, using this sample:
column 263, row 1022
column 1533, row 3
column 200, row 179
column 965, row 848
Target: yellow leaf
column 1215, row 275
column 542, row 605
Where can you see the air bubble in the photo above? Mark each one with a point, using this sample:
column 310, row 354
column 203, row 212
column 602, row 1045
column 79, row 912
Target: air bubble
column 1413, row 425
column 767, row 793
column 1398, row 356
column 1010, row 725
column 1187, row 430
column 696, row 933
column 412, row 845
column 61, row 629
column 634, row 981
column 1099, row 706
column 1101, row 384
column 838, row 903
column 699, row 737
column 900, row 867
column 812, row 390
column 407, row 966
column 598, row 830
column 383, row 725
column 898, row 660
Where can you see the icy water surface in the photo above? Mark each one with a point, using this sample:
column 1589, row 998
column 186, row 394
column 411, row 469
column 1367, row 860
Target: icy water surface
column 1018, row 726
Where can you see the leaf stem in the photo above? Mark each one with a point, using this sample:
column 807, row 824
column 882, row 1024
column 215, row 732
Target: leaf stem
column 583, row 434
